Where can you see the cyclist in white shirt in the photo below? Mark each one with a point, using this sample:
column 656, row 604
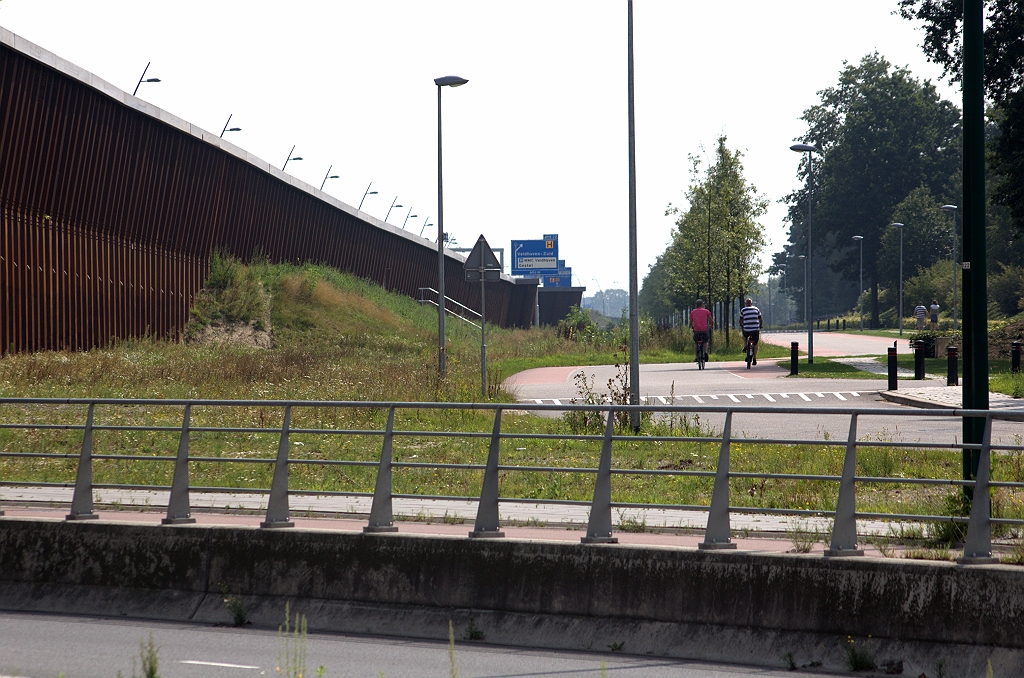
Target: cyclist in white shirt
column 751, row 321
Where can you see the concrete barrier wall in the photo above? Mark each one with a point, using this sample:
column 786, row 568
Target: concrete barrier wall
column 527, row 592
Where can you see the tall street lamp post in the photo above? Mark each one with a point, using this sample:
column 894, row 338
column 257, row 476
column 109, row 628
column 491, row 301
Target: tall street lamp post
column 785, row 286
column 136, row 90
column 328, row 176
column 899, row 304
column 860, row 291
column 408, row 216
column 809, row 299
column 366, row 193
column 290, row 158
column 952, row 208
column 634, row 312
column 232, row 129
column 393, row 206
column 803, row 258
column 442, row 368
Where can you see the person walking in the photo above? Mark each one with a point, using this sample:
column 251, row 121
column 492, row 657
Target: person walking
column 920, row 312
column 934, row 308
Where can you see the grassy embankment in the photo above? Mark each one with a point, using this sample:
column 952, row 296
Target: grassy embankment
column 340, row 338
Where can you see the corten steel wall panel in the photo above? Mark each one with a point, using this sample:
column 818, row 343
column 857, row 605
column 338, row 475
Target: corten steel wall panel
column 109, row 218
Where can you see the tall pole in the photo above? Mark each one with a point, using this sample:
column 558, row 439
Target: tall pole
column 900, row 307
column 953, row 209
column 634, row 316
column 974, row 266
column 483, row 335
column 442, row 366
column 804, row 257
column 860, row 297
column 770, row 316
column 807, row 264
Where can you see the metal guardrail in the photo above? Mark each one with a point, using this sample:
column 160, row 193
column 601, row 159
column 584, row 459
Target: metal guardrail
column 978, row 546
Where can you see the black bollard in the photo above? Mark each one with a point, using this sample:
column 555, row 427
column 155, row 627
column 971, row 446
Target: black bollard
column 794, row 357
column 844, row 324
column 1015, row 357
column 828, row 327
column 919, row 360
column 892, row 367
column 952, row 373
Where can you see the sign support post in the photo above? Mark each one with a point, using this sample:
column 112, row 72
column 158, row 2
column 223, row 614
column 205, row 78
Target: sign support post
column 482, row 265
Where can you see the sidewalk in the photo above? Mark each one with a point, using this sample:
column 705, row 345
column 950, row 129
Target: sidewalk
column 949, row 397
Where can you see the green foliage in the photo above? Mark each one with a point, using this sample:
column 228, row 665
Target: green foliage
column 718, row 236
column 232, row 293
column 1006, row 289
column 578, row 326
column 884, row 135
column 948, row 533
column 149, row 657
column 291, row 645
column 858, row 659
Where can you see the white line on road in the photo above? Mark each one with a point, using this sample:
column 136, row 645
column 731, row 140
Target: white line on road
column 698, row 399
column 804, row 396
column 749, row 396
column 784, row 395
column 770, row 399
column 820, row 395
column 714, row 397
column 839, row 395
column 854, row 394
column 556, row 401
column 221, row 664
column 733, row 398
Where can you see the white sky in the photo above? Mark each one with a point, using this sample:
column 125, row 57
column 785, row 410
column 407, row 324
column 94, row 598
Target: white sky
column 536, row 142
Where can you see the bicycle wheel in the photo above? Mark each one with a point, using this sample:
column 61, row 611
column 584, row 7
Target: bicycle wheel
column 750, row 354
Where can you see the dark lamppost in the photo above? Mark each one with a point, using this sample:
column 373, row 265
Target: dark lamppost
column 808, row 298
column 442, row 363
column 366, row 193
column 899, row 304
column 803, row 258
column 233, row 129
column 425, row 226
column 408, row 216
column 328, row 176
column 290, row 158
column 785, row 286
column 952, row 208
column 860, row 290
column 634, row 312
column 144, row 76
column 393, row 206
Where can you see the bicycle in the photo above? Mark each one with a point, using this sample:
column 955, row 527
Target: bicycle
column 701, row 345
column 749, row 350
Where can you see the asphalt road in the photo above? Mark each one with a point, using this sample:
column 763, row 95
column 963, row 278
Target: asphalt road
column 765, row 385
column 44, row 646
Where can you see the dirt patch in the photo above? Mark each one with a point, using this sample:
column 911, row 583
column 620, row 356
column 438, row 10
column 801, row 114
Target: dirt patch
column 999, row 340
column 234, row 333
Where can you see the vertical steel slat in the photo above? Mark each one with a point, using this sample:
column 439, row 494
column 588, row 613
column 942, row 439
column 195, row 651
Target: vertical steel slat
column 81, row 501
column 718, row 534
column 599, row 527
column 381, row 513
column 488, row 523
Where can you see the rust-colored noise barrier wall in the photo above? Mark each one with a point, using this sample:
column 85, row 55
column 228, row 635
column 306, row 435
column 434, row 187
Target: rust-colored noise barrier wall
column 110, row 216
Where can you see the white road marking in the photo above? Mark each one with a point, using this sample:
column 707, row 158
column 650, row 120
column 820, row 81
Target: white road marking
column 663, row 401
column 749, row 396
column 820, row 395
column 221, row 664
column 804, row 396
column 839, row 395
column 539, row 401
column 854, row 394
column 784, row 395
column 770, row 399
column 698, row 399
column 556, row 401
column 714, row 397
column 733, row 398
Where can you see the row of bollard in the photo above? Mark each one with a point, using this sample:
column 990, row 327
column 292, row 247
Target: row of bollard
column 952, row 362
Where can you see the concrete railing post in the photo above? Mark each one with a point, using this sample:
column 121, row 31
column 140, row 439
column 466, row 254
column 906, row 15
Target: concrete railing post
column 487, row 520
column 277, row 505
column 844, row 527
column 81, row 502
column 599, row 527
column 381, row 516
column 179, row 509
column 718, row 534
column 978, row 545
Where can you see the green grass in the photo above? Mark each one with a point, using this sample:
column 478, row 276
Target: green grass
column 341, row 338
column 824, row 368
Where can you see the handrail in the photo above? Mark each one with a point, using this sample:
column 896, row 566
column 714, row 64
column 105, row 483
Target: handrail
column 844, row 536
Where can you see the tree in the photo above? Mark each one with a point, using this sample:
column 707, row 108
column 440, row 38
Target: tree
column 1004, row 79
column 882, row 134
column 716, row 240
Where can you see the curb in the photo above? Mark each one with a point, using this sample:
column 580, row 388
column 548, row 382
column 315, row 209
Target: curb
column 901, row 399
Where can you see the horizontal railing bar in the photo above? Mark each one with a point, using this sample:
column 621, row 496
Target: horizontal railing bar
column 55, row 455
column 912, row 517
column 552, row 469
column 426, row 464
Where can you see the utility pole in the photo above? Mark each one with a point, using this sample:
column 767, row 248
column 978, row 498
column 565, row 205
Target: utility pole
column 975, row 315
column 634, row 315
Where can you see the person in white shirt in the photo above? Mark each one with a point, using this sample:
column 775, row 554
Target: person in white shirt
column 935, row 314
column 751, row 321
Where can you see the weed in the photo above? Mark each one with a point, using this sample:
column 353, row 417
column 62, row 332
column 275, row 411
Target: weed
column 472, row 631
column 452, row 519
column 928, row 554
column 453, row 668
column 883, row 544
column 615, row 647
column 149, row 658
column 858, row 659
column 235, row 606
column 949, row 532
column 585, row 422
column 631, row 524
column 602, row 670
column 1015, row 556
column 790, row 661
column 803, row 538
column 291, row 645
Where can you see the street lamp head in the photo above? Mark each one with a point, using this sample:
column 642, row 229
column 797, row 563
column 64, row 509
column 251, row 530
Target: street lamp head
column 450, row 81
column 371, row 193
column 896, row 224
column 801, row 256
column 949, row 208
column 802, row 148
column 233, row 129
column 858, row 237
column 151, row 80
column 296, row 158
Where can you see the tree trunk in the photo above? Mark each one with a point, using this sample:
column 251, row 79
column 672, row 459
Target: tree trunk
column 874, row 324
